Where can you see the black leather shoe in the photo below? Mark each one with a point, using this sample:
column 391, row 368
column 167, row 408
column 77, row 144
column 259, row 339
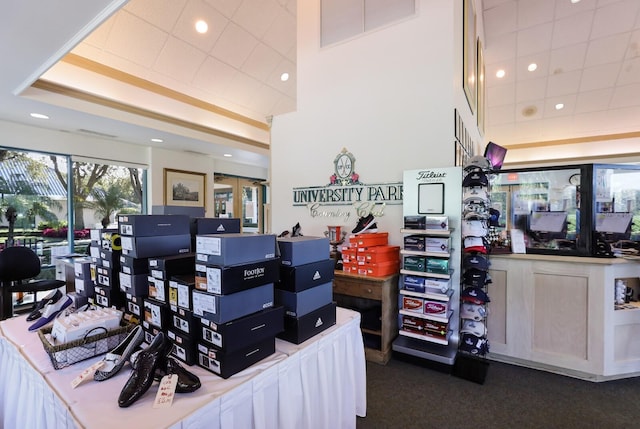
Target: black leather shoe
column 142, row 376
column 187, row 381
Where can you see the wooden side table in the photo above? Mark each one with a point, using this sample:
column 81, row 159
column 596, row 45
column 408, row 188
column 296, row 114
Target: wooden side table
column 376, row 298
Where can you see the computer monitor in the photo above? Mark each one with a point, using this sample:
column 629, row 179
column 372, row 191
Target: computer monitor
column 495, row 154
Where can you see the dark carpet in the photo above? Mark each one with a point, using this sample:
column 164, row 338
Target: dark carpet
column 405, row 395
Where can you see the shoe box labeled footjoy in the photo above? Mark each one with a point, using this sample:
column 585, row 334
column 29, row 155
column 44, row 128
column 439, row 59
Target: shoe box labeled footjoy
column 108, row 296
column 378, row 255
column 110, row 259
column 157, row 289
column 301, row 277
column 234, row 249
column 369, row 239
column 223, row 308
column 164, row 267
column 298, row 304
column 238, row 333
column 214, row 225
column 299, row 329
column 302, row 250
column 226, row 364
column 161, row 245
column 153, row 225
column 184, row 321
column 135, row 284
column 131, row 265
column 223, row 280
column 133, row 309
column 184, row 347
column 180, row 291
column 156, row 313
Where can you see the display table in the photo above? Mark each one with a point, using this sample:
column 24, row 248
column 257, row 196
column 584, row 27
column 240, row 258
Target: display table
column 320, row 383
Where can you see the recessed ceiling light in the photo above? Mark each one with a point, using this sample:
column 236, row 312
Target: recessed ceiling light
column 575, row 1
column 284, row 77
column 202, row 26
column 228, row 155
column 38, row 116
column 532, row 67
column 157, row 140
column 559, row 106
column 500, row 74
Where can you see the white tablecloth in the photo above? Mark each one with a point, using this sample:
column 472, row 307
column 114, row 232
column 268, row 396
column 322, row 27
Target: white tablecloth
column 320, row 383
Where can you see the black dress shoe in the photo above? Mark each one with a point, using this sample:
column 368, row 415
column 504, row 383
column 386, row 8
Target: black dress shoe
column 142, row 376
column 187, row 381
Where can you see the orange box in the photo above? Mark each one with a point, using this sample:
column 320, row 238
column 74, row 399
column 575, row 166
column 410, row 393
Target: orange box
column 379, row 270
column 349, row 254
column 370, row 239
column 349, row 267
column 378, row 254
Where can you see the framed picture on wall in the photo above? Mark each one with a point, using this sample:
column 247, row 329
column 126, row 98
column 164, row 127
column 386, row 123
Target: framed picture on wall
column 481, row 99
column 184, row 188
column 469, row 54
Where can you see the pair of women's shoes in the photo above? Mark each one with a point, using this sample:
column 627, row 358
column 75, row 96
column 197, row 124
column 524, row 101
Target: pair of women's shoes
column 152, row 363
column 49, row 309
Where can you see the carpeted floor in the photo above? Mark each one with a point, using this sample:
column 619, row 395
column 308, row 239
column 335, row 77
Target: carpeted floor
column 405, row 395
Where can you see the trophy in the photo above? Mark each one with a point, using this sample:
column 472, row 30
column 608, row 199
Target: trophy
column 336, row 237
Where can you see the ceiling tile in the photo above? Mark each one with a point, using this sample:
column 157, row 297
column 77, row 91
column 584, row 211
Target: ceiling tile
column 489, row 4
column 225, row 7
column 568, row 58
column 565, row 8
column 501, row 115
column 534, row 39
column 261, row 62
column 622, row 13
column 185, row 26
column 607, row 50
column 161, row 13
column 528, row 111
column 598, row 77
column 531, row 89
column 242, row 89
column 572, row 30
column 256, row 16
column 140, row 50
column 563, row 83
column 633, row 50
column 284, row 66
column 278, row 36
column 500, row 20
column 504, row 48
column 541, row 60
column 179, row 60
column 499, row 95
column 568, row 101
column 214, row 76
column 234, row 46
column 625, row 96
column 593, row 101
column 630, row 72
column 532, row 13
column 508, row 66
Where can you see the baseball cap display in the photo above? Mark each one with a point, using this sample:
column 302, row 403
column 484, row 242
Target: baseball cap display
column 474, row 344
column 473, row 327
column 474, row 295
column 474, row 228
column 478, row 162
column 475, row 277
column 475, row 244
column 475, row 178
column 475, row 261
column 475, row 195
column 472, row 311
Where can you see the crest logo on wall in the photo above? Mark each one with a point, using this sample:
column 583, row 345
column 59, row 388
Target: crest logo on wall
column 344, row 170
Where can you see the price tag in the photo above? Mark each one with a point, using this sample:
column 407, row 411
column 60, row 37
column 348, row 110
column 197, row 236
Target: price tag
column 86, row 374
column 166, row 391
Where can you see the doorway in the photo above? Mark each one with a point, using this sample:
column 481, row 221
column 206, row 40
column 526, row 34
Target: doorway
column 240, row 197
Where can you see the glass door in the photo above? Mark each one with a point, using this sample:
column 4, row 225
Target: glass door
column 240, row 197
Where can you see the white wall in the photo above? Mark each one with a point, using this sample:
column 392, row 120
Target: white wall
column 388, row 96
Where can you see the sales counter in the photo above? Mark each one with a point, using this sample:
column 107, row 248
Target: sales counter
column 557, row 313
column 320, row 383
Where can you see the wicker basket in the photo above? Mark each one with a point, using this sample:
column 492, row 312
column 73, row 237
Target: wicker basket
column 97, row 341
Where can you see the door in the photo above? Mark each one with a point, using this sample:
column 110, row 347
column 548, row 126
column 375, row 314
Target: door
column 240, row 197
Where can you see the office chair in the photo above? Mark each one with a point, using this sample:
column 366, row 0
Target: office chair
column 18, row 265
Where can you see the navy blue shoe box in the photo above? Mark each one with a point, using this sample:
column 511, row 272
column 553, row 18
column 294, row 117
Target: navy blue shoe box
column 158, row 289
column 302, row 250
column 226, row 364
column 133, row 309
column 108, row 296
column 185, row 322
column 83, row 281
column 107, row 277
column 134, row 284
column 214, row 225
column 241, row 332
column 224, row 308
column 297, row 304
column 224, row 280
column 131, row 265
column 155, row 313
column 299, row 329
column 110, row 259
column 302, row 277
column 184, row 348
column 153, row 225
column 233, row 249
column 161, row 245
column 165, row 267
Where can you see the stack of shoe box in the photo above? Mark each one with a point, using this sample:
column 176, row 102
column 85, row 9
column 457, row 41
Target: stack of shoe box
column 144, row 237
column 105, row 251
column 305, row 289
column 234, row 300
column 370, row 254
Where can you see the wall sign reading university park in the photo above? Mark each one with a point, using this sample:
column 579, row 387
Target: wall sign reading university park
column 344, row 189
